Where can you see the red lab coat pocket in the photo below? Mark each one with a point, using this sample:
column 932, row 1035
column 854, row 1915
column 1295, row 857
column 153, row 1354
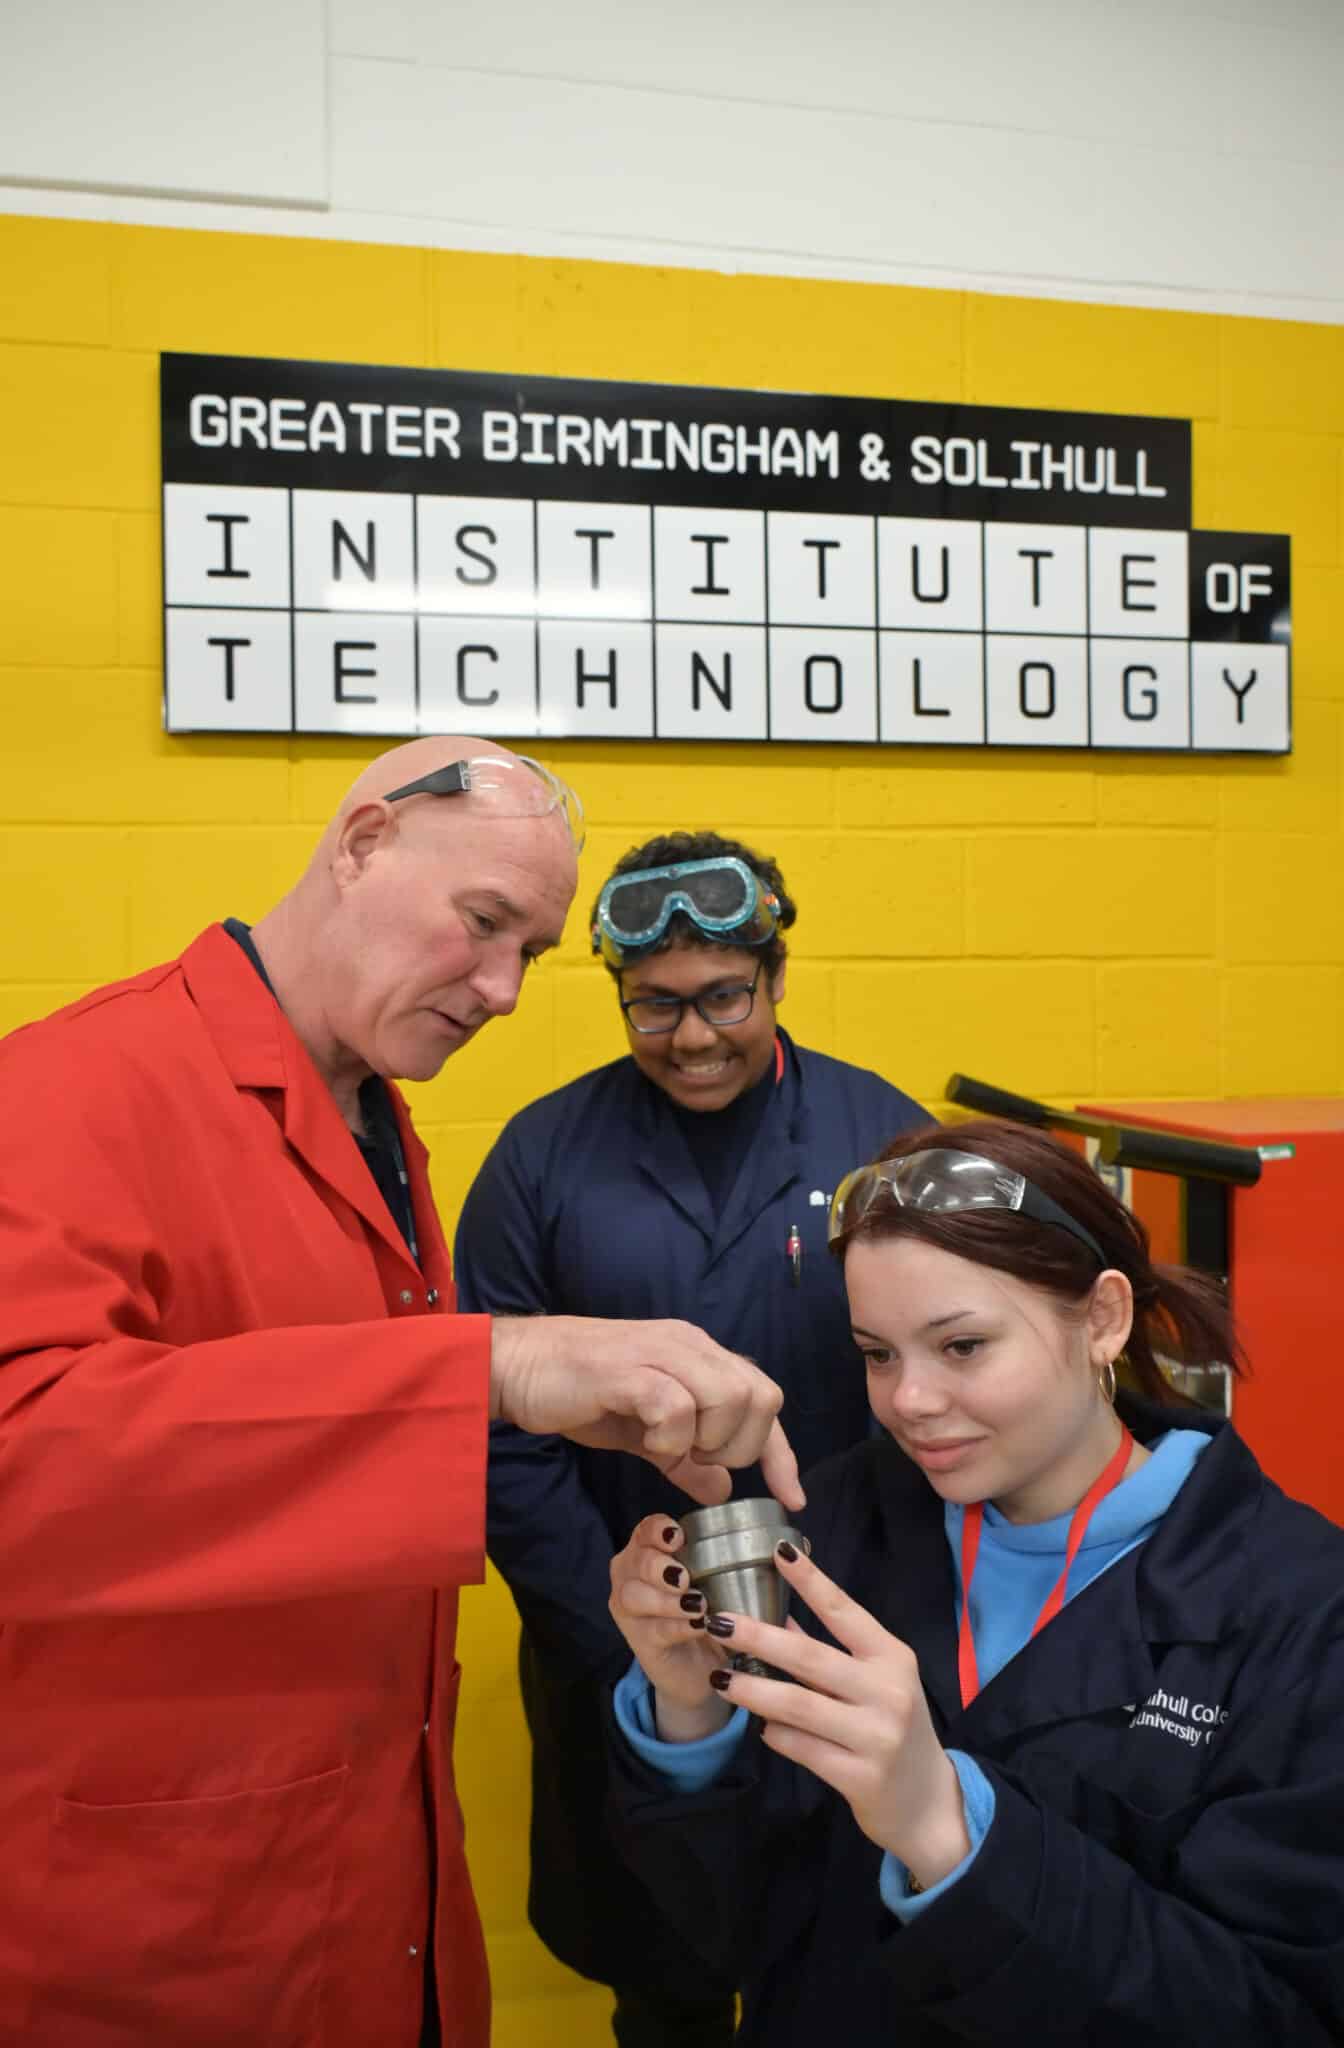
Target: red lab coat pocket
column 198, row 1921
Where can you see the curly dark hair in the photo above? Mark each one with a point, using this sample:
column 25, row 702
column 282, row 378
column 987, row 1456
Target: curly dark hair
column 667, row 850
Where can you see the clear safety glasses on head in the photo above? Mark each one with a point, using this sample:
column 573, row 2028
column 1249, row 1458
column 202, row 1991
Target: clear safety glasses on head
column 723, row 899
column 943, row 1180
column 514, row 786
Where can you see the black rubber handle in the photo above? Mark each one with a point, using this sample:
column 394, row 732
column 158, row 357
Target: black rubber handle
column 1169, row 1152
column 1120, row 1144
column 990, row 1101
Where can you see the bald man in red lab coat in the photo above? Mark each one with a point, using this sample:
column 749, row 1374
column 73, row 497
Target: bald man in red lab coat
column 242, row 1446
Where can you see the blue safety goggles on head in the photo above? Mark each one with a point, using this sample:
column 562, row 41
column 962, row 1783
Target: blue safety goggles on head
column 724, row 900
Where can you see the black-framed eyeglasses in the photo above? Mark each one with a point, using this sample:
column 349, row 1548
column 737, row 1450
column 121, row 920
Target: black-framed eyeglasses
column 729, row 1005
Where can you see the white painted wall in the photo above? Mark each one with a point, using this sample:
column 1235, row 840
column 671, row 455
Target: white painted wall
column 167, row 96
column 1179, row 152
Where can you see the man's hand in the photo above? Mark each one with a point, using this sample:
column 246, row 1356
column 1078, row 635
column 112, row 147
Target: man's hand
column 664, row 1390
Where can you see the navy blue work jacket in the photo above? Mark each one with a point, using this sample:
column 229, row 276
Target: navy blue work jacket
column 591, row 1204
column 1166, row 1861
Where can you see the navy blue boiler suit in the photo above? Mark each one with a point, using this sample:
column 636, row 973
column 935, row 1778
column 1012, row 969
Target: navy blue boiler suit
column 1165, row 1865
column 590, row 1204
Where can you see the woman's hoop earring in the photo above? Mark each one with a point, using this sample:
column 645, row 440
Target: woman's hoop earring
column 1106, row 1382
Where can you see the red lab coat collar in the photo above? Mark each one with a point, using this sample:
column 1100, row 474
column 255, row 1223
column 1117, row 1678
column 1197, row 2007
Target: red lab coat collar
column 260, row 1049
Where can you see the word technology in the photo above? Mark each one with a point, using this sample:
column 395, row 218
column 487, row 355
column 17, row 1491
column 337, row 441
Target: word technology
column 395, row 551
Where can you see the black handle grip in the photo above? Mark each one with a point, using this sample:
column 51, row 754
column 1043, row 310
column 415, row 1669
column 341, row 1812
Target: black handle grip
column 990, row 1101
column 1168, row 1152
column 1120, row 1144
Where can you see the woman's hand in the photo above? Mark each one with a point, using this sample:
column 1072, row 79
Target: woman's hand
column 664, row 1623
column 857, row 1718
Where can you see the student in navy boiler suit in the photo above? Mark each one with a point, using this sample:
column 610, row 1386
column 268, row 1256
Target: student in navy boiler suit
column 689, row 1179
column 1097, row 1800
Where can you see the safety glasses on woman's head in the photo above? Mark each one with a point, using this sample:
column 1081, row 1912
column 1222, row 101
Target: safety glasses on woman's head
column 942, row 1180
column 723, row 899
column 516, row 785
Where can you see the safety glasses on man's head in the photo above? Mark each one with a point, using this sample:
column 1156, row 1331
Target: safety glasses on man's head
column 515, row 784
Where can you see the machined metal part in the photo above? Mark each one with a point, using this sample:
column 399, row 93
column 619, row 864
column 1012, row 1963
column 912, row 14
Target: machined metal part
column 730, row 1556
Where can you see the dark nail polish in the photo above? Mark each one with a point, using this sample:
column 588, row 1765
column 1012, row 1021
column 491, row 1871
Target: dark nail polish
column 720, row 1624
column 671, row 1534
column 673, row 1574
column 693, row 1602
column 787, row 1552
column 697, row 1621
column 720, row 1680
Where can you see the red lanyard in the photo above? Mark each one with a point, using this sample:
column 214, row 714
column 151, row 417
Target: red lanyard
column 967, row 1669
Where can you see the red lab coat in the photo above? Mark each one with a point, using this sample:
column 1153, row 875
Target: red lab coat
column 242, row 1466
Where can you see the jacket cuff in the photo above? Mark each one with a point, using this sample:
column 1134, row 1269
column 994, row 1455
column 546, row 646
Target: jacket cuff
column 684, row 1766
column 977, row 1804
column 954, row 1959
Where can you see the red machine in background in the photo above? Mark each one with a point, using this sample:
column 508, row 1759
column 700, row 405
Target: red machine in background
column 1254, row 1192
column 1285, row 1241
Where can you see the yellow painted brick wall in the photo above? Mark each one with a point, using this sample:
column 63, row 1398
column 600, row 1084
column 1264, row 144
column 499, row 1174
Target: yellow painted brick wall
column 1072, row 926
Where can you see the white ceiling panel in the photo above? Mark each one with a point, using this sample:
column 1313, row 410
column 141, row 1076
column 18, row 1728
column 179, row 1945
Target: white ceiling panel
column 166, row 96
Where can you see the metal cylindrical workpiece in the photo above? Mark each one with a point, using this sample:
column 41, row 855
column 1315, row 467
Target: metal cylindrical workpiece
column 730, row 1556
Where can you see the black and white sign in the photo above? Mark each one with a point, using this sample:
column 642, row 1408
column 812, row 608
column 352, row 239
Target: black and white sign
column 391, row 551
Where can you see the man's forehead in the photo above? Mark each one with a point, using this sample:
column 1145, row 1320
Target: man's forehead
column 460, row 827
column 527, row 864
